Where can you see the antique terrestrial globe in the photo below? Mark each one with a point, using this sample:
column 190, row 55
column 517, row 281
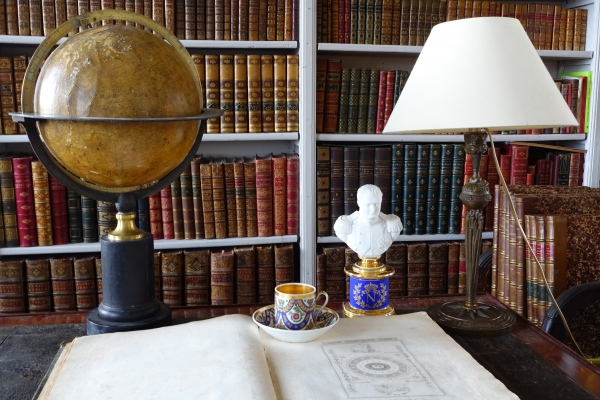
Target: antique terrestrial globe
column 116, row 114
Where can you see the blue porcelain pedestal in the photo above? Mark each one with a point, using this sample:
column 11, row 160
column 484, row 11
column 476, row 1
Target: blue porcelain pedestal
column 369, row 289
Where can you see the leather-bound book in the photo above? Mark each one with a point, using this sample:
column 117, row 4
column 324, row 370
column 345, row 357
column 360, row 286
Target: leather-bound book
column 138, row 8
column 172, row 277
column 435, row 19
column 451, row 10
column 350, row 259
column 395, row 23
column 351, row 177
column 254, row 94
column 321, row 271
column 422, row 177
column 23, row 15
column 235, row 20
column 85, row 282
column 98, row 265
column 532, row 271
column 250, row 194
column 542, row 296
column 230, row 199
column 353, row 21
column 201, row 8
column 289, row 19
column 380, row 122
column 369, row 21
column 240, row 196
column 227, row 98
column 395, row 257
column 157, row 275
column 197, row 197
column 187, row 203
column 458, row 162
column 63, row 284
column 189, row 17
column 12, row 287
column 363, row 101
column 279, row 194
column 243, row 20
column 41, row 196
column 280, row 17
column 366, row 166
column 361, row 23
column 562, row 170
column 421, row 22
column 222, row 278
column 397, row 179
column 213, row 85
column 323, row 190
column 433, row 188
column 377, row 12
column 197, row 277
column 353, row 99
column 265, row 263
column 219, row 201
column 107, row 217
column 493, row 179
column 574, row 169
column 416, row 269
column 253, row 19
column 409, row 188
column 372, row 102
column 245, row 275
column 142, row 214
column 166, row 206
column 320, row 93
column 48, row 17
column 333, row 21
column 336, row 195
column 453, row 265
column 284, row 264
column 405, row 22
column 495, row 240
column 12, row 18
column 95, row 5
column 208, row 206
column 268, row 93
column 271, row 19
column 39, row 289
column 438, row 268
column 335, row 259
column 382, row 175
column 7, row 96
column 445, row 181
column 177, row 209
column 89, row 221
column 240, row 93
column 293, row 92
column 577, row 28
column 462, row 268
column 227, row 20
column 293, row 193
column 24, row 201
column 414, row 21
column 296, row 20
column 156, row 227
column 219, row 20
column 35, row 18
column 332, row 94
column 158, row 11
column 389, row 96
column 280, row 82
column 264, row 195
column 570, row 29
column 583, row 29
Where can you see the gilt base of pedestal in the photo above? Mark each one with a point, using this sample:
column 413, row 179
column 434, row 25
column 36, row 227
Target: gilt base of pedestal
column 352, row 312
column 485, row 320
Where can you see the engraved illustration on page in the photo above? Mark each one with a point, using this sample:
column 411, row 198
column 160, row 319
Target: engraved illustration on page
column 379, row 369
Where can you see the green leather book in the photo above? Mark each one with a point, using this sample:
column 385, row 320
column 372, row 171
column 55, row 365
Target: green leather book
column 458, row 165
column 361, row 23
column 433, row 188
column 353, row 100
column 373, row 97
column 363, row 101
column 369, row 21
column 353, row 21
column 89, row 223
column 377, row 21
column 344, row 101
column 410, row 177
column 421, row 189
column 397, row 86
column 445, row 188
column 397, row 181
column 351, row 163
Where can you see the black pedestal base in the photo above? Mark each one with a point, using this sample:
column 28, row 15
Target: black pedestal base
column 95, row 324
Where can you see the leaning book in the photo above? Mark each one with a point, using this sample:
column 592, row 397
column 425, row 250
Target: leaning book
column 397, row 357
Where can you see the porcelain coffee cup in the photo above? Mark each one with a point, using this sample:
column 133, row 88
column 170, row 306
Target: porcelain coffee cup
column 295, row 306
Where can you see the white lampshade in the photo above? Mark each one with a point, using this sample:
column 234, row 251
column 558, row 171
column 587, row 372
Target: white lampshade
column 479, row 73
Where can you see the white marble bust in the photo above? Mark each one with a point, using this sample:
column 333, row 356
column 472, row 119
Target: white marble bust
column 368, row 231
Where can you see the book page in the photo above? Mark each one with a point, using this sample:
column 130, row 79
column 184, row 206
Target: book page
column 398, row 357
column 220, row 358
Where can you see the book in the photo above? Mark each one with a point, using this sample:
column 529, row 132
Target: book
column 240, row 197
column 12, row 287
column 155, row 210
column 395, row 257
column 197, row 197
column 187, row 204
column 41, row 201
column 75, row 222
column 280, row 92
column 142, row 214
column 335, row 260
column 438, row 268
column 39, row 289
column 336, row 183
column 268, row 92
column 250, row 195
column 177, row 210
column 265, row 264
column 84, row 272
column 264, row 195
column 453, row 266
column 254, row 91
column 7, row 96
column 166, row 206
column 63, row 284
column 409, row 186
column 279, row 194
column 9, row 206
column 207, row 199
column 107, row 217
column 245, row 275
column 219, row 200
column 293, row 193
column 196, row 275
column 417, row 268
column 230, row 198
column 382, row 175
column 284, row 264
column 293, row 90
column 24, row 201
column 213, row 92
column 172, row 277
column 222, row 277
column 323, row 190
column 89, row 222
column 332, row 95
column 320, row 93
column 241, row 93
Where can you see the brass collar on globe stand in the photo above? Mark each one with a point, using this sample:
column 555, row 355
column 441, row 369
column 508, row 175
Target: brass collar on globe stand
column 126, row 229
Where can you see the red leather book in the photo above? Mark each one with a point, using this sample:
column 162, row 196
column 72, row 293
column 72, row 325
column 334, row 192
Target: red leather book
column 332, row 95
column 381, row 101
column 505, row 167
column 279, row 195
column 574, row 169
column 493, row 180
column 341, row 22
column 518, row 168
column 155, row 209
column 389, row 96
column 293, row 193
column 58, row 199
column 243, row 24
column 166, row 206
column 240, row 196
column 250, row 194
column 219, row 202
column 24, row 201
column 264, row 195
column 253, row 10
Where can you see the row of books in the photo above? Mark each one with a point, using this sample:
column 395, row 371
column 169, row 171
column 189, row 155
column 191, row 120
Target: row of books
column 211, row 199
column 354, row 100
column 420, row 268
column 409, row 22
column 562, row 224
column 421, row 183
column 241, row 275
column 187, row 19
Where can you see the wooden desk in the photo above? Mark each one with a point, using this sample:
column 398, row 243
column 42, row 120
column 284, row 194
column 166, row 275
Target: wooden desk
column 529, row 362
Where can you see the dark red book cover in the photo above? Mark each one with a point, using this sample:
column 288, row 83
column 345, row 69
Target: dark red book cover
column 264, row 195
column 518, row 169
column 381, row 102
column 332, row 95
column 156, row 227
column 505, row 167
column 320, row 94
column 24, row 201
column 293, row 193
column 389, row 96
column 60, row 224
column 341, row 20
column 166, row 205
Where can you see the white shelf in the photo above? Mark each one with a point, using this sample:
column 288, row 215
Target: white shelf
column 413, row 51
column 212, row 137
column 411, row 238
column 158, row 245
column 24, row 40
column 342, row 137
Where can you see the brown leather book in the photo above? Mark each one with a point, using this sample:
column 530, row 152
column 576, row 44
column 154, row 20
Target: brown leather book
column 198, row 212
column 332, row 95
column 351, row 176
column 85, row 282
column 12, row 287
column 60, row 11
column 98, row 265
column 395, row 257
column 12, row 17
column 230, row 198
column 23, row 16
column 7, row 96
column 451, row 10
column 284, row 264
column 218, row 194
column 130, row 6
column 187, row 203
column 293, row 91
column 110, row 5
column 263, row 8
column 172, row 277
column 438, row 268
column 208, row 206
column 241, row 93
column 243, row 24
column 264, row 195
column 320, row 93
column 583, row 30
column 289, row 19
column 201, row 19
column 253, row 16
column 245, row 275
column 265, row 263
column 336, row 184
column 254, row 94
column 240, row 196
column 213, row 96
column 417, row 268
column 462, row 268
column 35, row 18
column 219, row 18
column 386, row 22
column 63, row 284
column 323, row 190
column 396, row 26
column 279, row 194
column 321, row 271
column 41, row 195
column 235, row 20
column 335, row 258
column 39, row 289
column 227, row 93
column 350, row 259
column 563, row 30
column 250, row 195
column 280, row 82
column 280, row 18
column 366, row 171
column 227, row 20
column 271, row 19
column 157, row 275
column 155, row 210
column 293, row 193
column 382, row 175
column 577, row 24
column 9, row 207
column 177, row 208
column 197, row 276
column 107, row 217
column 96, row 5
column 529, row 264
column 268, row 93
column 166, row 206
column 453, row 265
column 189, row 15
column 48, row 17
column 222, row 278
column 570, row 29
column 540, row 234
column 557, row 266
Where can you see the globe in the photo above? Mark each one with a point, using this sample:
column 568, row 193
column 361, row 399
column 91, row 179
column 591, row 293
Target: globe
column 117, row 71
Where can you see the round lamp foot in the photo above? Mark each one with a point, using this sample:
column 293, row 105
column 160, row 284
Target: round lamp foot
column 95, row 324
column 485, row 320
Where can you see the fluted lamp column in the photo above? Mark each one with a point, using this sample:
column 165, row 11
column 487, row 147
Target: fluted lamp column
column 472, row 76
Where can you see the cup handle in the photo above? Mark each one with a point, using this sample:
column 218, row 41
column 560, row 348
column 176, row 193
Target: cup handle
column 324, row 293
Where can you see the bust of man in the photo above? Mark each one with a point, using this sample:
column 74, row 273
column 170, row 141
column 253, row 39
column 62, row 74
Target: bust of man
column 368, row 231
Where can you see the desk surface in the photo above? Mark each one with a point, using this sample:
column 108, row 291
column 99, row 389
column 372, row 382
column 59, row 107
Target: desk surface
column 529, row 362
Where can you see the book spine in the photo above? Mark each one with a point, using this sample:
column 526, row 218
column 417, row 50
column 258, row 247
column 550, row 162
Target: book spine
column 336, row 195
column 254, row 94
column 218, row 195
column 543, row 298
column 395, row 257
column 332, row 95
column 7, row 96
column 284, row 264
column 363, row 100
column 253, row 19
column 458, row 162
column 172, row 277
column 280, row 92
column 230, row 199
column 382, row 175
column 143, row 214
column 263, row 8
column 372, row 101
column 417, row 269
column 222, row 277
column 387, row 16
column 264, row 196
column 9, row 207
column 196, row 276
column 12, row 17
column 22, row 174
column 271, row 19
column 462, row 268
column 453, row 267
column 226, row 68
column 63, row 284
column 366, row 166
column 320, row 93
column 495, row 248
column 293, row 91
column 381, row 102
column 154, row 207
column 265, row 263
column 166, row 206
column 409, row 188
column 240, row 93
column 564, row 164
column 397, row 178
column 438, row 268
column 177, row 209
column 41, row 200
column 350, row 260
column 279, row 169
column 213, row 85
column 250, row 194
column 12, row 287
column 323, row 190
column 433, row 188
column 187, row 203
column 107, row 217
column 234, row 23
column 197, row 198
column 245, row 273
column 48, row 17
column 353, row 21
column 353, row 99
column 389, row 96
column 422, row 177
column 445, row 188
column 39, row 289
column 89, row 222
column 574, row 169
column 35, row 18
column 85, row 283
column 351, row 177
column 240, row 197
column 293, row 194
column 335, row 278
column 268, row 93
column 369, row 21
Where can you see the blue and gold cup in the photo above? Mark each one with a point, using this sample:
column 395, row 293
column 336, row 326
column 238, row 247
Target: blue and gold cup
column 295, row 306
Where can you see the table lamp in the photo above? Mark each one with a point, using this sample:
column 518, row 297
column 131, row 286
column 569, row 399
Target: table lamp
column 472, row 76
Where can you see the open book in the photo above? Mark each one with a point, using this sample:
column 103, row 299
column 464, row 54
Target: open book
column 398, row 357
